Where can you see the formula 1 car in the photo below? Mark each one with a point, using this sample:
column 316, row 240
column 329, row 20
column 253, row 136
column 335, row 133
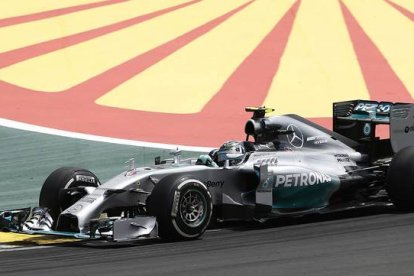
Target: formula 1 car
column 291, row 167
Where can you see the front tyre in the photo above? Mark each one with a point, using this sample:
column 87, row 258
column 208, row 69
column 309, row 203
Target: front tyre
column 400, row 179
column 54, row 195
column 183, row 208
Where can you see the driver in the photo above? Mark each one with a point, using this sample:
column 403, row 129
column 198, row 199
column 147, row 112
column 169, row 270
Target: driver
column 233, row 151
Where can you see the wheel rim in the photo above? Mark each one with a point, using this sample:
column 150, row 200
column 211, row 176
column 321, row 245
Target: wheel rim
column 193, row 208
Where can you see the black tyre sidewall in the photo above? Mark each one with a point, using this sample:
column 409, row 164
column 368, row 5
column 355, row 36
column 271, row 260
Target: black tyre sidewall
column 52, row 192
column 400, row 179
column 180, row 226
column 168, row 195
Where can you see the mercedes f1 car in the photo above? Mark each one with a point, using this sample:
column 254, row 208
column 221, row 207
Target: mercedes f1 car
column 287, row 166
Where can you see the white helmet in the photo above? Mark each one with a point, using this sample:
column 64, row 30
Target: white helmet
column 232, row 151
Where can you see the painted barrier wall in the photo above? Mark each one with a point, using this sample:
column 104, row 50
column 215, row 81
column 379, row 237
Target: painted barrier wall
column 182, row 71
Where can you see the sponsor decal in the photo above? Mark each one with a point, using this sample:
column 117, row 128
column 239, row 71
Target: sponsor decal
column 214, row 184
column 296, row 137
column 75, row 208
column 317, row 140
column 301, row 179
column 409, row 129
column 384, row 107
column 85, row 178
column 342, row 158
column 365, row 107
column 367, row 129
column 89, row 198
column 372, row 106
column 176, row 201
column 266, row 161
column 268, row 182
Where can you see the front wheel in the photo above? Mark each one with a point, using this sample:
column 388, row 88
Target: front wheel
column 54, row 195
column 183, row 208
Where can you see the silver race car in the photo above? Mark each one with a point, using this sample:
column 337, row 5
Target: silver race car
column 287, row 166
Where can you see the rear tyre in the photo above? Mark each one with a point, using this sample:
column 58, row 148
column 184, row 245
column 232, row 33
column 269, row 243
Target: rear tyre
column 53, row 195
column 183, row 208
column 400, row 179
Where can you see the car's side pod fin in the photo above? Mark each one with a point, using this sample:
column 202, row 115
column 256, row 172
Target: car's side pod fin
column 358, row 120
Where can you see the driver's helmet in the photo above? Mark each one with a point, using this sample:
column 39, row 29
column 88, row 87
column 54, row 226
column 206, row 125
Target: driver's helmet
column 233, row 151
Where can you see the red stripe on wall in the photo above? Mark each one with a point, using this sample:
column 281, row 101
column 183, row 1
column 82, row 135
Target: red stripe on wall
column 250, row 83
column 48, row 14
column 382, row 82
column 75, row 110
column 101, row 84
column 402, row 10
column 18, row 55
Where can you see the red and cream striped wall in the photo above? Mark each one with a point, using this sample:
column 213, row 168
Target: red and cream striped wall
column 182, row 71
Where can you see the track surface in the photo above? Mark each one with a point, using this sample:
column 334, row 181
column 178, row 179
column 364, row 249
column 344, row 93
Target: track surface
column 374, row 242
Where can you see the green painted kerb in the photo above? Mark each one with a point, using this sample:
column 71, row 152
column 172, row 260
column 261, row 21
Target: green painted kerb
column 27, row 158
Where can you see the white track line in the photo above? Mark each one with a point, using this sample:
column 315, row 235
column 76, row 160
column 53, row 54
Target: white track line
column 4, row 248
column 76, row 135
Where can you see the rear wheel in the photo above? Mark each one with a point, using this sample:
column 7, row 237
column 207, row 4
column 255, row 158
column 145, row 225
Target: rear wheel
column 54, row 194
column 183, row 208
column 400, row 179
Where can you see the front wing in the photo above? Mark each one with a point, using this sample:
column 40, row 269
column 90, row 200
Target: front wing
column 116, row 229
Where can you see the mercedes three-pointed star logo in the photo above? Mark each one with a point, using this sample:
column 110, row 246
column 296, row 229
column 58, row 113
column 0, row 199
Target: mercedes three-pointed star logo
column 296, row 137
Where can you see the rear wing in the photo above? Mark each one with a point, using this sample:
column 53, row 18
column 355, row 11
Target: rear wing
column 358, row 120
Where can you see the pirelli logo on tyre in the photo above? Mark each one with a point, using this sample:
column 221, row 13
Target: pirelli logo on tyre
column 176, row 201
column 85, row 178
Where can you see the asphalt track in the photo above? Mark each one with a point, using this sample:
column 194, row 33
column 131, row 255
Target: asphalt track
column 369, row 242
